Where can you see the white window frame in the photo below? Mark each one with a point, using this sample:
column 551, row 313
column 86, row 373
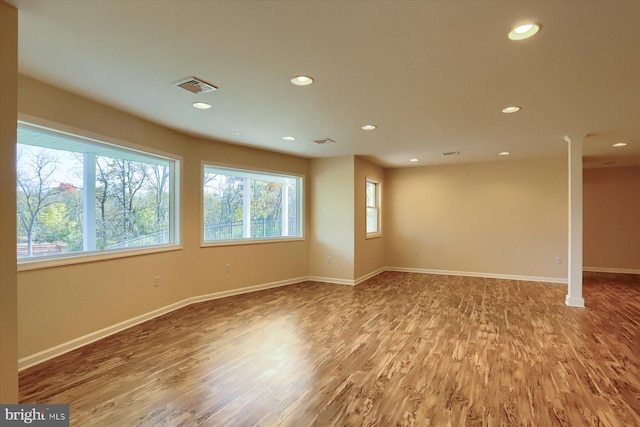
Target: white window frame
column 252, row 172
column 115, row 145
column 377, row 206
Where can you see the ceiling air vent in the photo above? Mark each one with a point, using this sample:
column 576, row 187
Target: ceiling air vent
column 195, row 85
column 451, row 153
column 324, row 141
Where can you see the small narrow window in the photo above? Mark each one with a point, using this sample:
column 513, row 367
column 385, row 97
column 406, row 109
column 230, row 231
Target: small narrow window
column 244, row 205
column 373, row 208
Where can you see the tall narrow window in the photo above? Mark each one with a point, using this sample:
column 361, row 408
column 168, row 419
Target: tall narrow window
column 248, row 205
column 78, row 195
column 373, row 208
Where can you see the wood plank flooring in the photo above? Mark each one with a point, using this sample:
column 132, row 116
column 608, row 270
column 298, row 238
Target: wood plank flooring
column 400, row 349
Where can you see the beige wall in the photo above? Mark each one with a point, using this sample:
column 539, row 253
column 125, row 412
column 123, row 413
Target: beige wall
column 58, row 304
column 332, row 218
column 369, row 253
column 8, row 290
column 612, row 218
column 507, row 218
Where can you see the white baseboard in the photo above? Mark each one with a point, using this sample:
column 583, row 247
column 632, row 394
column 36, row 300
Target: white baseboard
column 50, row 353
column 610, row 270
column 332, row 280
column 245, row 290
column 476, row 274
column 349, row 282
column 369, row 275
column 574, row 302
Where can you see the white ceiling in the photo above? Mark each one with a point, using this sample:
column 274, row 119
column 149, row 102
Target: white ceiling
column 433, row 75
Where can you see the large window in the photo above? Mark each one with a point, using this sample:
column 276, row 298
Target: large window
column 78, row 195
column 241, row 204
column 373, row 208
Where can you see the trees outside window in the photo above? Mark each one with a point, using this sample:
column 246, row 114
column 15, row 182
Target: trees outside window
column 240, row 204
column 81, row 196
column 48, row 206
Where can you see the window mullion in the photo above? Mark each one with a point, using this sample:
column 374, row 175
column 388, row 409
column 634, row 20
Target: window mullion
column 246, row 208
column 285, row 209
column 89, row 202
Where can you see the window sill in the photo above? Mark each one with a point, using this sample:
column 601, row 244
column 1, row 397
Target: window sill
column 373, row 236
column 80, row 258
column 249, row 242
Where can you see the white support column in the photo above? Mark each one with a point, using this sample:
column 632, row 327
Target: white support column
column 285, row 209
column 574, row 295
column 246, row 208
column 89, row 202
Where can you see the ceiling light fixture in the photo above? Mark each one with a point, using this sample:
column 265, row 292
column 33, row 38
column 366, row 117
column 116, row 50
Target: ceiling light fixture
column 413, row 160
column 620, row 144
column 289, row 138
column 302, row 80
column 504, row 153
column 201, row 105
column 524, row 31
column 369, row 127
column 512, row 109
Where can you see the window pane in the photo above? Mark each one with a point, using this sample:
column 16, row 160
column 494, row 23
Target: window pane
column 132, row 203
column 372, row 220
column 371, row 194
column 49, row 201
column 75, row 196
column 223, row 198
column 266, row 209
column 241, row 204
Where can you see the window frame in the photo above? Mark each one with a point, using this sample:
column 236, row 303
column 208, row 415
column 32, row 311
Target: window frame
column 300, row 190
column 88, row 137
column 377, row 206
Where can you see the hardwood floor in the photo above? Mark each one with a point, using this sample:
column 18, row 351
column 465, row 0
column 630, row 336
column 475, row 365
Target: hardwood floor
column 401, row 349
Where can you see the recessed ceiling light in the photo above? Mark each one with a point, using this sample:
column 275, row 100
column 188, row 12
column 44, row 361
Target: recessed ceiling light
column 413, row 160
column 524, row 31
column 301, row 80
column 201, row 105
column 504, row 153
column 289, row 138
column 620, row 144
column 512, row 109
column 369, row 127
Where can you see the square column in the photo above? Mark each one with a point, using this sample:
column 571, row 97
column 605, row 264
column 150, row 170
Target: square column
column 574, row 295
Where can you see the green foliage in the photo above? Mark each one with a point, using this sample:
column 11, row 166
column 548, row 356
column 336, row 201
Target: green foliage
column 132, row 202
column 223, row 205
column 54, row 223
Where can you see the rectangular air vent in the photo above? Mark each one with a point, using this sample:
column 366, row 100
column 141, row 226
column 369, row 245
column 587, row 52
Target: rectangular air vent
column 324, row 141
column 195, row 85
column 451, row 153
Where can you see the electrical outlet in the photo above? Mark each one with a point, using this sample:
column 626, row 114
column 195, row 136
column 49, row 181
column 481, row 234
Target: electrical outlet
column 227, row 268
column 558, row 260
column 416, row 253
column 397, row 252
column 156, row 281
column 328, row 260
